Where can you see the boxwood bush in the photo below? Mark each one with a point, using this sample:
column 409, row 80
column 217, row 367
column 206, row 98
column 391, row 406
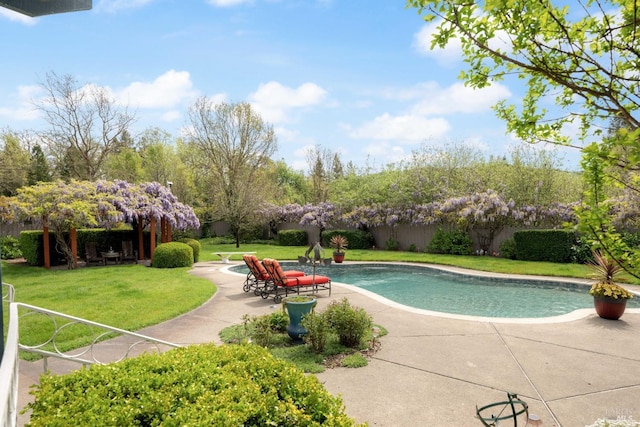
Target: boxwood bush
column 229, row 385
column 195, row 245
column 173, row 255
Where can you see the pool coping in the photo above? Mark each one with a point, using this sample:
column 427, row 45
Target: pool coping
column 568, row 317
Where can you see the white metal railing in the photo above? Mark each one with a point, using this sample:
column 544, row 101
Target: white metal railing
column 9, row 364
column 101, row 350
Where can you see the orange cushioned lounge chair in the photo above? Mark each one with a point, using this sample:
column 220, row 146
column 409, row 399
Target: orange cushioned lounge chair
column 258, row 278
column 286, row 285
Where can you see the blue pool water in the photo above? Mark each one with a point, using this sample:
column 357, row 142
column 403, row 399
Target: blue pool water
column 442, row 291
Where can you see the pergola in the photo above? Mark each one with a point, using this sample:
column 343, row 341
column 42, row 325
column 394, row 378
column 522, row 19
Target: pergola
column 64, row 207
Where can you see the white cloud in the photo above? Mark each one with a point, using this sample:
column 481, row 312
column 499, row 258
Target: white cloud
column 274, row 101
column 227, row 3
column 459, row 98
column 23, row 108
column 383, row 150
column 450, row 55
column 407, row 128
column 167, row 91
column 171, row 116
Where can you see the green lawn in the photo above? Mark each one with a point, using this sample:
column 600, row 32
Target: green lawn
column 129, row 297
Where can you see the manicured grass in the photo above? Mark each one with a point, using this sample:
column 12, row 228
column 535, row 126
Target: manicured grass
column 128, row 297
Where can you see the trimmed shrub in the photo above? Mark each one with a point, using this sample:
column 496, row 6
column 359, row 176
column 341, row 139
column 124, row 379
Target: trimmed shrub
column 508, row 249
column 293, row 238
column 358, row 239
column 454, row 242
column 196, row 385
column 351, row 324
column 195, row 245
column 173, row 255
column 30, row 246
column 545, row 245
column 10, row 247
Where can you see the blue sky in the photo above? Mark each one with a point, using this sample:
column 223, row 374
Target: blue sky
column 351, row 76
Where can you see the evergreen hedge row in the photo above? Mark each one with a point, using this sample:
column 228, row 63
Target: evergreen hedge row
column 293, row 238
column 545, row 245
column 358, row 239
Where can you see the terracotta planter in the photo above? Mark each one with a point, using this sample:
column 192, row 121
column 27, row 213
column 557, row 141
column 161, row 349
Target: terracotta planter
column 610, row 308
column 338, row 257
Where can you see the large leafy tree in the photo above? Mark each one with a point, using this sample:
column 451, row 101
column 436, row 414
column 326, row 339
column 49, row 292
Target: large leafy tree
column 86, row 126
column 14, row 163
column 579, row 63
column 234, row 145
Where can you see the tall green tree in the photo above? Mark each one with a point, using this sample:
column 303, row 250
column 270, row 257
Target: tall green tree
column 39, row 170
column 14, row 163
column 579, row 62
column 234, row 144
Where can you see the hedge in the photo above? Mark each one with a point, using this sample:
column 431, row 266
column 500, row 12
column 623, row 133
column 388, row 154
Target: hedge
column 544, row 245
column 293, row 238
column 229, row 385
column 357, row 239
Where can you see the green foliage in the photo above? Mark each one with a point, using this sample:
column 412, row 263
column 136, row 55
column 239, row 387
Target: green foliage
column 173, row 255
column 261, row 330
column 355, row 360
column 391, row 244
column 196, row 385
column 30, row 244
column 581, row 252
column 292, row 238
column 317, row 326
column 350, row 323
column 544, row 245
column 412, row 248
column 195, row 246
column 339, row 243
column 508, row 248
column 10, row 247
column 279, row 321
column 454, row 242
column 358, row 239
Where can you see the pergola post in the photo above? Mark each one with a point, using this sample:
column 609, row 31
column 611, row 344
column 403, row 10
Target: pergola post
column 73, row 236
column 45, row 243
column 140, row 240
column 152, row 228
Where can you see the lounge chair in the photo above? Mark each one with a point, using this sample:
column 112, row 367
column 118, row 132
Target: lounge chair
column 286, row 285
column 91, row 253
column 128, row 254
column 258, row 278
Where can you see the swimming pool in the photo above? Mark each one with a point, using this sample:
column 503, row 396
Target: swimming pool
column 437, row 290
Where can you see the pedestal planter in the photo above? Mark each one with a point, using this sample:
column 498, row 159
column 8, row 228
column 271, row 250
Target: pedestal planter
column 610, row 308
column 296, row 308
